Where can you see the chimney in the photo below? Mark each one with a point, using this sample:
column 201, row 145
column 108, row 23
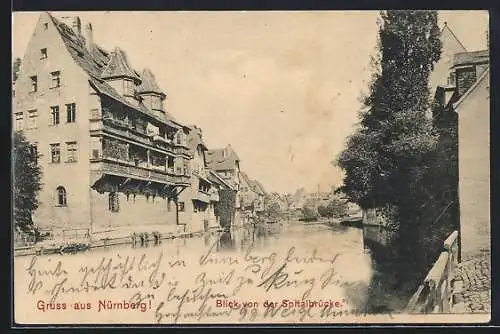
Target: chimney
column 77, row 26
column 89, row 36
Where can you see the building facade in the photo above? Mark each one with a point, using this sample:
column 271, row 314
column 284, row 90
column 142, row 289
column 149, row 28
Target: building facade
column 463, row 95
column 197, row 203
column 109, row 151
column 226, row 164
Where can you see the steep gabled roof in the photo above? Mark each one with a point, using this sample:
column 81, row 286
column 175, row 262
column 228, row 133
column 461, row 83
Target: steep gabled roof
column 246, row 179
column 222, row 159
column 260, row 187
column 118, row 67
column 149, row 84
column 94, row 62
column 214, row 178
column 448, row 36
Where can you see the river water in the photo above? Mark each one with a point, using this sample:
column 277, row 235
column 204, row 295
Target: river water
column 363, row 283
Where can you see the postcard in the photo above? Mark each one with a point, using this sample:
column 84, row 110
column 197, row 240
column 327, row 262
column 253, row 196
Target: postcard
column 251, row 167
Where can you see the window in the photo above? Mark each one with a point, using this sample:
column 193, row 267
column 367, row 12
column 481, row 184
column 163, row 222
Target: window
column 45, row 26
column 128, row 87
column 61, row 196
column 451, row 79
column 32, row 119
column 34, row 152
column 114, row 204
column 179, row 139
column 71, row 113
column 169, row 205
column 55, row 115
column 19, row 121
column 71, row 151
column 170, row 162
column 55, row 153
column 34, row 83
column 56, row 79
column 43, row 53
column 181, row 206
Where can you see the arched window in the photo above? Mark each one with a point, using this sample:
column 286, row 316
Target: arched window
column 61, row 196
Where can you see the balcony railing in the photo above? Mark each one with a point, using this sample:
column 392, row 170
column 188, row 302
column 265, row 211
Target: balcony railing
column 202, row 196
column 122, row 128
column 123, row 168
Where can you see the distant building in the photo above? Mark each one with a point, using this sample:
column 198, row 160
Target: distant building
column 252, row 196
column 111, row 154
column 226, row 164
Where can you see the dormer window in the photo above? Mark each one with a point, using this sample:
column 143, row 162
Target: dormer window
column 43, row 53
column 451, row 79
column 156, row 103
column 128, row 87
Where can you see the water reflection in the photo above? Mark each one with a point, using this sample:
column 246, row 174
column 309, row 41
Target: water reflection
column 365, row 267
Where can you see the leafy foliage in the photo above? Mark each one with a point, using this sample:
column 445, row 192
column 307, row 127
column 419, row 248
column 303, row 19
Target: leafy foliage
column 27, row 181
column 390, row 161
column 272, row 208
column 388, row 153
column 225, row 208
column 334, row 208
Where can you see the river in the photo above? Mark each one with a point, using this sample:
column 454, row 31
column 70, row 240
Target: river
column 366, row 284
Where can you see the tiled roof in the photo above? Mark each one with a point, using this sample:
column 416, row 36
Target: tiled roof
column 474, row 57
column 246, row 179
column 260, row 187
column 217, row 161
column 149, row 84
column 104, row 88
column 118, row 67
column 93, row 62
column 214, row 178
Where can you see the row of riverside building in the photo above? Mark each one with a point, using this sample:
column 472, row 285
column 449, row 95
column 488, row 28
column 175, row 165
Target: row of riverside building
column 112, row 156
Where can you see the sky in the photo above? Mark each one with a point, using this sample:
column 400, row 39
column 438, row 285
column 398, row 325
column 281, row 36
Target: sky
column 282, row 88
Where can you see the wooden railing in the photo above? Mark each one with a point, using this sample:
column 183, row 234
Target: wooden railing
column 126, row 169
column 435, row 293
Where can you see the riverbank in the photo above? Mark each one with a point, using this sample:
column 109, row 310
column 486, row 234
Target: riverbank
column 138, row 235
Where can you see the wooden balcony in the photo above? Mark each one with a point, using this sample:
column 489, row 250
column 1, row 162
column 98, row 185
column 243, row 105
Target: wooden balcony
column 202, row 197
column 126, row 169
column 123, row 129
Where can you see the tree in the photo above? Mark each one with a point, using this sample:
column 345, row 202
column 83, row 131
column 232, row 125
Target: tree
column 16, row 66
column 27, row 181
column 272, row 208
column 386, row 161
column 334, row 208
